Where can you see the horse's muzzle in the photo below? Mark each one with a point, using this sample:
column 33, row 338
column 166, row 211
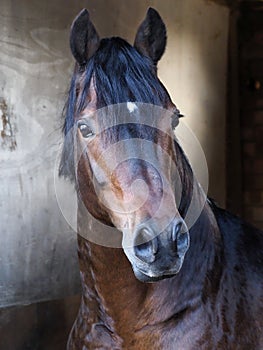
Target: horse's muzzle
column 158, row 256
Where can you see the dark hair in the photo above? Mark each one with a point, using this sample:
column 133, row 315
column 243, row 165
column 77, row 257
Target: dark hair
column 121, row 74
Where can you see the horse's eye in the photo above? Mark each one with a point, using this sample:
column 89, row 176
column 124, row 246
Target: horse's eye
column 175, row 120
column 85, row 130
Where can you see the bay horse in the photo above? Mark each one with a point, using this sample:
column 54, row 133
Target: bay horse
column 176, row 286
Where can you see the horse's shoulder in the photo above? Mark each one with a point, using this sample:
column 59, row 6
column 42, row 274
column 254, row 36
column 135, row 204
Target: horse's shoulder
column 240, row 239
column 242, row 246
column 243, row 254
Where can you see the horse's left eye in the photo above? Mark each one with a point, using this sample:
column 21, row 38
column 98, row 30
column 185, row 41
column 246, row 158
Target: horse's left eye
column 85, row 130
column 175, row 120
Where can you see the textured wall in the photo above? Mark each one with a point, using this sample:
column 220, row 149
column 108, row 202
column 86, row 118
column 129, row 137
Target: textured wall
column 37, row 251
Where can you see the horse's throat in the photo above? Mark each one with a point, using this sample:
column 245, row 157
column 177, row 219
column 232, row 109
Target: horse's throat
column 110, row 287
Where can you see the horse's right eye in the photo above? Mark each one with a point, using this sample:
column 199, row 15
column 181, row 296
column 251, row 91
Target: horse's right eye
column 85, row 130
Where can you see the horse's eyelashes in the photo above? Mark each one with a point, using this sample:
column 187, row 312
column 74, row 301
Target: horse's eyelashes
column 85, row 130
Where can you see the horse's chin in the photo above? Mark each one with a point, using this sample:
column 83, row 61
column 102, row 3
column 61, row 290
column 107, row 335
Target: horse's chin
column 149, row 278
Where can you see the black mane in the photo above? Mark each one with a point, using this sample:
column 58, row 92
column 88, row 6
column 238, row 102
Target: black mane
column 121, row 74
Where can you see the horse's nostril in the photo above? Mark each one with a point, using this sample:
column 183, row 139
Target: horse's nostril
column 180, row 238
column 176, row 230
column 145, row 247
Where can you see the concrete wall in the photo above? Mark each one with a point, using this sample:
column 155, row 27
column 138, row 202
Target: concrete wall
column 37, row 250
column 38, row 259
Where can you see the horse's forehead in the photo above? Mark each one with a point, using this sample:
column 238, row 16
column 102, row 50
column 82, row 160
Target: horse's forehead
column 131, row 106
column 91, row 105
column 92, row 96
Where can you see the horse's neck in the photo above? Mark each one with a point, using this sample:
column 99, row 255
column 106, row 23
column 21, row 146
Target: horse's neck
column 111, row 292
column 116, row 298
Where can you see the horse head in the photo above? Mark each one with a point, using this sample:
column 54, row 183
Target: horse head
column 120, row 147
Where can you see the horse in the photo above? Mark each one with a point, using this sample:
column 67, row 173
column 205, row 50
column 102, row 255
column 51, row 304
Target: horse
column 171, row 285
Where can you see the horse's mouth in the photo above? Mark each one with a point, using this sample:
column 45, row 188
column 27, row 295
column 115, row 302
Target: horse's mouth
column 151, row 278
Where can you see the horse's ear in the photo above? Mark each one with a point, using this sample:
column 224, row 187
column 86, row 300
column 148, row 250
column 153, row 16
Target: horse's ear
column 84, row 39
column 150, row 39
